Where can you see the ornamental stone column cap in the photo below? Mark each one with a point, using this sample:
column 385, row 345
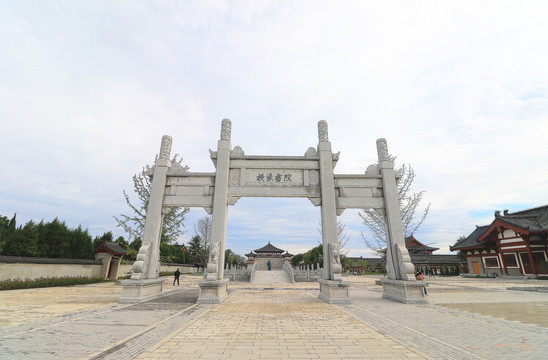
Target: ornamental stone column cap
column 382, row 150
column 322, row 131
column 165, row 148
column 226, row 126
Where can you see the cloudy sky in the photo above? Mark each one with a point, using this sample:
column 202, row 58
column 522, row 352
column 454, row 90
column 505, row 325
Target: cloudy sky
column 458, row 88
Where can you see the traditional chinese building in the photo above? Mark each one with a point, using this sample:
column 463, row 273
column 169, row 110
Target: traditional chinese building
column 513, row 244
column 111, row 255
column 268, row 252
column 414, row 247
column 424, row 259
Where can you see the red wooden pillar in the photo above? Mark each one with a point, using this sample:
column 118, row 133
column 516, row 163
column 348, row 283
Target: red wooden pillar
column 531, row 260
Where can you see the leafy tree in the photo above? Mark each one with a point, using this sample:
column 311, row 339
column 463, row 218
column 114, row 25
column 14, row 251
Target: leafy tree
column 134, row 224
column 122, row 242
column 314, row 256
column 346, row 263
column 172, row 254
column 409, row 203
column 363, row 265
column 198, row 254
column 80, row 244
column 460, row 254
column 53, row 239
column 342, row 237
column 133, row 249
column 297, row 260
column 233, row 259
column 100, row 240
column 6, row 227
column 22, row 241
column 55, row 235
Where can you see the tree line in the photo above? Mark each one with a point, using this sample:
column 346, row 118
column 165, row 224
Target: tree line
column 55, row 239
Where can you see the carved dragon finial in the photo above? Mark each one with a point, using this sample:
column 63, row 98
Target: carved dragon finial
column 226, row 126
column 322, row 131
column 165, row 148
column 382, row 150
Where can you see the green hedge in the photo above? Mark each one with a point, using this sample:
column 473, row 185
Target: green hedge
column 46, row 282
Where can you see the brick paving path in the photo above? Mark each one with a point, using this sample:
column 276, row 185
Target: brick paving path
column 277, row 322
column 449, row 334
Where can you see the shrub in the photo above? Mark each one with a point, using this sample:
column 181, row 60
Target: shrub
column 46, row 282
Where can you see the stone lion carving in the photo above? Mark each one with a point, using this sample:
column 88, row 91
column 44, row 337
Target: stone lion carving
column 213, row 263
column 335, row 261
column 311, row 153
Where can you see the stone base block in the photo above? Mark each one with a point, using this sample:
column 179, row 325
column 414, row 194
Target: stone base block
column 138, row 291
column 213, row 291
column 334, row 291
column 408, row 292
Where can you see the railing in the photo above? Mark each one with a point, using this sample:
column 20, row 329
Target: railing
column 289, row 269
column 307, row 272
column 253, row 270
column 236, row 272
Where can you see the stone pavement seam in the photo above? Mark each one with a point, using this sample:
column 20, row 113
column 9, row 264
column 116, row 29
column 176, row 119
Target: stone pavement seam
column 407, row 336
column 132, row 336
column 57, row 320
column 532, row 328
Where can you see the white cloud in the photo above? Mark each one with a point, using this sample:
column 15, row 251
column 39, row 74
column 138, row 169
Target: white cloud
column 459, row 90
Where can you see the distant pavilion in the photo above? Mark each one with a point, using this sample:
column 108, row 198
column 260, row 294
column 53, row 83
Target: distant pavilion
column 268, row 252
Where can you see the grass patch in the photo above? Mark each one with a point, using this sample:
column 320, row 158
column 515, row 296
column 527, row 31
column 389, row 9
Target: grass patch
column 47, row 282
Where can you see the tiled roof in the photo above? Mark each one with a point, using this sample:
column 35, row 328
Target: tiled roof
column 112, row 248
column 436, row 259
column 269, row 248
column 532, row 220
column 472, row 239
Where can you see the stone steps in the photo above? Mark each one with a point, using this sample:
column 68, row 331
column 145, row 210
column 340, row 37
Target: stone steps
column 271, row 277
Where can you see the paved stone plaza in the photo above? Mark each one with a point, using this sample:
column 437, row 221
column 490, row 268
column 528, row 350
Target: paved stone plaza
column 465, row 319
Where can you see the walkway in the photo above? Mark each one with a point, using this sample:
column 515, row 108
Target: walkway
column 288, row 322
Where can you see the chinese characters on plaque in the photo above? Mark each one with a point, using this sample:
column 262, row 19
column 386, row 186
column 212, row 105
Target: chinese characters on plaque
column 276, row 177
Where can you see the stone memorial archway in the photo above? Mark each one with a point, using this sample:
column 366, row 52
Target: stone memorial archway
column 239, row 175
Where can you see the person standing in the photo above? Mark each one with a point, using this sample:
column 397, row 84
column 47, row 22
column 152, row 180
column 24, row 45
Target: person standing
column 177, row 275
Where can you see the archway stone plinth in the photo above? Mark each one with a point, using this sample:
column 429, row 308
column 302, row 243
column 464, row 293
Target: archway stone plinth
column 335, row 291
column 138, row 291
column 213, row 291
column 408, row 292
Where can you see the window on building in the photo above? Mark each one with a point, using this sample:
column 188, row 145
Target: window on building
column 510, row 260
column 491, row 262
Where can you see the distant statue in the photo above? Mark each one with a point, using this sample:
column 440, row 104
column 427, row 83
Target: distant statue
column 269, row 265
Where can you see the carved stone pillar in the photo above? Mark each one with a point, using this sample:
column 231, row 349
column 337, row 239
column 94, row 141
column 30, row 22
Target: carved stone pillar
column 400, row 284
column 214, row 288
column 145, row 283
column 332, row 288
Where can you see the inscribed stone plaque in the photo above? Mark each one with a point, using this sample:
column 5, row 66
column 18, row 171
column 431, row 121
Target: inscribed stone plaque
column 273, row 177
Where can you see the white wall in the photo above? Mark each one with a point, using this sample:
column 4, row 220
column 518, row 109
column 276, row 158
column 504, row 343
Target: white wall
column 23, row 271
